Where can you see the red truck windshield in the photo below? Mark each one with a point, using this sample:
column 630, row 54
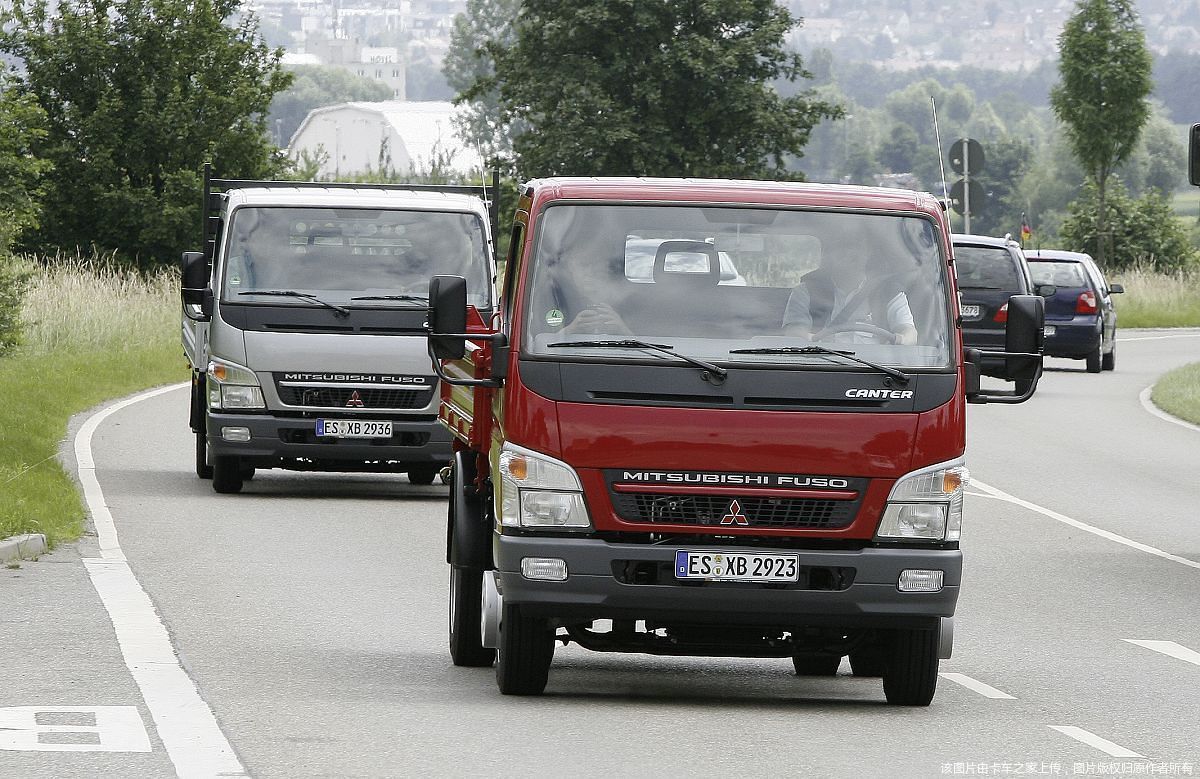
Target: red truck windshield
column 738, row 284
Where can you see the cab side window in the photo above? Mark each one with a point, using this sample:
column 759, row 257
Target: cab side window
column 509, row 289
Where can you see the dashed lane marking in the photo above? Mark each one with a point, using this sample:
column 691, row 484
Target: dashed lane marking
column 1169, row 648
column 986, row 690
column 998, row 494
column 185, row 723
column 1092, row 740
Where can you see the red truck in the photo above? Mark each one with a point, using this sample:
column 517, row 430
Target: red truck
column 714, row 418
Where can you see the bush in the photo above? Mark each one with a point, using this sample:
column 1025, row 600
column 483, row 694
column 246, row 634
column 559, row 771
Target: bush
column 1145, row 231
column 15, row 275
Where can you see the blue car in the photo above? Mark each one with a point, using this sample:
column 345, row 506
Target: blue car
column 1081, row 320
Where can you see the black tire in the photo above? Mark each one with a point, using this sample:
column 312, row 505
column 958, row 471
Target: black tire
column 423, row 476
column 868, row 662
column 227, row 474
column 911, row 673
column 526, row 650
column 1095, row 359
column 466, row 614
column 203, row 469
column 247, row 472
column 816, row 665
column 1109, row 361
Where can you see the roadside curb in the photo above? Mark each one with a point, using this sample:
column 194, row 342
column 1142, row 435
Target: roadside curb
column 1147, row 401
column 26, row 547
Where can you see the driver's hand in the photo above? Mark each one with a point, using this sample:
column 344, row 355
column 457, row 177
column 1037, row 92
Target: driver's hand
column 597, row 318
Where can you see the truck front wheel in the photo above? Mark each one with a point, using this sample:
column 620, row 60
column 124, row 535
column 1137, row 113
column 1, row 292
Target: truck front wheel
column 910, row 674
column 466, row 619
column 526, row 650
column 227, row 474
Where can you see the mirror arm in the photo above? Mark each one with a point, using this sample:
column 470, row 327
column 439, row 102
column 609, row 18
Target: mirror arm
column 499, row 342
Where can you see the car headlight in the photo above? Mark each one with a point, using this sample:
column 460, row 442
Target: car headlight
column 537, row 491
column 926, row 505
column 232, row 387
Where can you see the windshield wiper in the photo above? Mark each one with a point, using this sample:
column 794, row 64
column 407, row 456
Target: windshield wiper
column 291, row 293
column 409, row 298
column 896, row 374
column 630, row 343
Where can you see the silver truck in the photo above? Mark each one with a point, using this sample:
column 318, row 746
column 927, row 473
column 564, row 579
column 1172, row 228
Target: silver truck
column 303, row 323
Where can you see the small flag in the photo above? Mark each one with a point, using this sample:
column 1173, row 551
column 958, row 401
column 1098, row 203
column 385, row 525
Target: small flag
column 1026, row 230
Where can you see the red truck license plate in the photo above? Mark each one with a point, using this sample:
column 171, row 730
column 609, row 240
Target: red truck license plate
column 737, row 566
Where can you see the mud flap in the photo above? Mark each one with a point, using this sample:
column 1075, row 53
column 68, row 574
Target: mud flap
column 945, row 638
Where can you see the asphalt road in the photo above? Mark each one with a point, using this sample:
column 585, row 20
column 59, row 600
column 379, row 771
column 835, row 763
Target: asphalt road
column 310, row 613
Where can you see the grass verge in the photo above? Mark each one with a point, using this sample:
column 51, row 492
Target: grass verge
column 1178, row 393
column 92, row 332
column 1154, row 299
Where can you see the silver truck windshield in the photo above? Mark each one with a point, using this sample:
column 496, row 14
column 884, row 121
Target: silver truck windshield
column 359, row 256
column 738, row 285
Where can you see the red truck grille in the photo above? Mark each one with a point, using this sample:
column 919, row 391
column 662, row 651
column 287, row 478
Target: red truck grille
column 710, row 510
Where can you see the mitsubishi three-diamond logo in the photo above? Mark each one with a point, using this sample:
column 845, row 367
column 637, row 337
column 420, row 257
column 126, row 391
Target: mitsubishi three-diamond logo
column 735, row 515
column 355, row 401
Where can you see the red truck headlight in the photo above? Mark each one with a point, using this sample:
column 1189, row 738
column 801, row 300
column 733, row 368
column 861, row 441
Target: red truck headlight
column 538, row 491
column 926, row 505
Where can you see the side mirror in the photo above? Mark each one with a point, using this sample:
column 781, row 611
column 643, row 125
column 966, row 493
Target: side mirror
column 1115, row 289
column 194, row 278
column 1044, row 290
column 1194, row 156
column 1024, row 336
column 448, row 315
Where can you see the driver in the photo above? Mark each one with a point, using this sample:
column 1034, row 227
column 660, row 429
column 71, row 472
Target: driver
column 830, row 300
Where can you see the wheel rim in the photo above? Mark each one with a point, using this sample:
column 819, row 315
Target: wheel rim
column 483, row 608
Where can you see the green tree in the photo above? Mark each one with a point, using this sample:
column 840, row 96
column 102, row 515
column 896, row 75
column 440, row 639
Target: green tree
column 1142, row 231
column 314, row 86
column 653, row 87
column 1007, row 160
column 483, row 28
column 138, row 94
column 1102, row 99
column 899, row 149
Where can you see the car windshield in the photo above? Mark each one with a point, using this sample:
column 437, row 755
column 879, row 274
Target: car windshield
column 344, row 255
column 1060, row 274
column 737, row 285
column 986, row 267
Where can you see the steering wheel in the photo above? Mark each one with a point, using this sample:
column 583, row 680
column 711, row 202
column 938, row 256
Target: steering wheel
column 882, row 335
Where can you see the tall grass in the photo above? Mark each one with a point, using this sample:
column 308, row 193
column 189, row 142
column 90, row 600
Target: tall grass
column 1158, row 299
column 92, row 331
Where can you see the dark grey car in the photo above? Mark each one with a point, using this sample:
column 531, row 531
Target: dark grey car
column 990, row 271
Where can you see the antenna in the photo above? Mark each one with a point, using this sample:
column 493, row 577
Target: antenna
column 941, row 160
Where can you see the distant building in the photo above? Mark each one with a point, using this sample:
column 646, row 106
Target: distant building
column 392, row 136
column 382, row 63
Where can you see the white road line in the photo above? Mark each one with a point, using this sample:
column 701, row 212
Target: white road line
column 1148, row 404
column 1169, row 648
column 185, row 723
column 986, row 690
column 1159, row 337
column 1092, row 740
column 1075, row 523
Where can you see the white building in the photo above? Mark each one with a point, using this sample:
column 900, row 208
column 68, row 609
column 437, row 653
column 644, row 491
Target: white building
column 392, row 136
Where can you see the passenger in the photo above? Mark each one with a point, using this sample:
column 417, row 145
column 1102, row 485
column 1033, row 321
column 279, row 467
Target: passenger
column 830, row 300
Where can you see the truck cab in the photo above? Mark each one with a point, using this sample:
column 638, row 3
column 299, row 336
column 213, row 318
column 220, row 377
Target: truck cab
column 660, row 462
column 303, row 322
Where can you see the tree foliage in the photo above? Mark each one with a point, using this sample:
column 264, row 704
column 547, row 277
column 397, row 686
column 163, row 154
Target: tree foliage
column 652, row 87
column 485, row 26
column 1143, row 231
column 21, row 171
column 314, row 86
column 1102, row 99
column 137, row 95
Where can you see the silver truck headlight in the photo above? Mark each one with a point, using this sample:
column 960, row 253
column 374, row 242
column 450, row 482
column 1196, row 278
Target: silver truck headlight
column 926, row 505
column 232, row 387
column 538, row 491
